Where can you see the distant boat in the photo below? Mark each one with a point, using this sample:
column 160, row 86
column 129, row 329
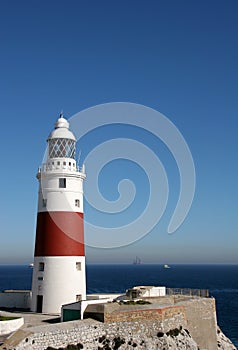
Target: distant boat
column 137, row 261
column 166, row 266
column 31, row 265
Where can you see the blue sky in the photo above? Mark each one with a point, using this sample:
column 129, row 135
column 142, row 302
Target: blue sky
column 178, row 57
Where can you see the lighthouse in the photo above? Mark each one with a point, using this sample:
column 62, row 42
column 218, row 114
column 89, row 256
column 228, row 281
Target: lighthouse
column 59, row 258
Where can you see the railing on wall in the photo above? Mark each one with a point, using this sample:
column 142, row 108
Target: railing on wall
column 188, row 291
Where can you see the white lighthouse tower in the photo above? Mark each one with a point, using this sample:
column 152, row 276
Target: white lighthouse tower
column 59, row 262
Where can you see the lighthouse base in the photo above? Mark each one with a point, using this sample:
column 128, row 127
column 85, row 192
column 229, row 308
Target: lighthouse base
column 57, row 280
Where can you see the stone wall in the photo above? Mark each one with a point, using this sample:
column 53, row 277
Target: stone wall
column 94, row 335
column 147, row 326
column 152, row 313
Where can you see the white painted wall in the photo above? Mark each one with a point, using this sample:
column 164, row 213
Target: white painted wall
column 106, row 298
column 60, row 199
column 16, row 299
column 6, row 327
column 61, row 282
column 91, row 299
column 155, row 292
column 110, row 296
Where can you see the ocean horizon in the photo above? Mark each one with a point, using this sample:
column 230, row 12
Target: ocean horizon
column 220, row 279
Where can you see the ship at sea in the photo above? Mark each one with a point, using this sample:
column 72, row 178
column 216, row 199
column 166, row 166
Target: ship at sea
column 137, row 261
column 166, row 266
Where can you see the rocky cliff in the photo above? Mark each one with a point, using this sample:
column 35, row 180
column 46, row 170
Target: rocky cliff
column 167, row 323
column 174, row 340
column 93, row 335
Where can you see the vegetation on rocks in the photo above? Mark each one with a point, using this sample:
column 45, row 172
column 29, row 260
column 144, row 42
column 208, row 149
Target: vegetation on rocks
column 69, row 347
column 7, row 318
column 174, row 332
column 132, row 302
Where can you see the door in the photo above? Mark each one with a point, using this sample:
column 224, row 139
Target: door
column 70, row 315
column 39, row 304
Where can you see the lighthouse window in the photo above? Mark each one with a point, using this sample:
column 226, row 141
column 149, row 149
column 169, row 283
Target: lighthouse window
column 78, row 266
column 40, row 278
column 61, row 148
column 41, row 266
column 78, row 297
column 77, row 203
column 62, row 183
column 44, row 203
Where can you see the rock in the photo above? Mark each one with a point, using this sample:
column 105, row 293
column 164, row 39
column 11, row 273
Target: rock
column 223, row 343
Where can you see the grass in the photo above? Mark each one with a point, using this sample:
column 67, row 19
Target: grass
column 7, row 318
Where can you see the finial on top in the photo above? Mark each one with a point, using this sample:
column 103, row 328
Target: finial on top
column 61, row 122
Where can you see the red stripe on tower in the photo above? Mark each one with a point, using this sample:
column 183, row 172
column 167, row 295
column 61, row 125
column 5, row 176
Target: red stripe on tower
column 59, row 234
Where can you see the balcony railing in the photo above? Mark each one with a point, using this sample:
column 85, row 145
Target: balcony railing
column 204, row 293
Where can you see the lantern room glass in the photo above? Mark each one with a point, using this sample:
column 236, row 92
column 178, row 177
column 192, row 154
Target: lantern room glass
column 62, row 148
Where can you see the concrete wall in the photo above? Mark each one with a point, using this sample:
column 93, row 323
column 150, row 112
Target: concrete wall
column 91, row 300
column 15, row 299
column 202, row 322
column 7, row 327
column 200, row 316
column 197, row 314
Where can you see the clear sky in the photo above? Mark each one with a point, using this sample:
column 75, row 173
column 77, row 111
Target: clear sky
column 177, row 57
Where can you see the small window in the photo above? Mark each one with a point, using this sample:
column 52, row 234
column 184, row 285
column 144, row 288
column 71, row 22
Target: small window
column 58, row 163
column 78, row 266
column 64, row 163
column 73, row 164
column 41, row 266
column 53, row 163
column 44, row 203
column 40, row 278
column 78, row 297
column 77, row 203
column 69, row 163
column 62, row 183
column 134, row 294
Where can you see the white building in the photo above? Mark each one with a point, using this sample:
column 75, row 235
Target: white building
column 59, row 262
column 145, row 291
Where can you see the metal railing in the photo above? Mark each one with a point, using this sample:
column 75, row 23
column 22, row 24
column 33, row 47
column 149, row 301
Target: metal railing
column 204, row 293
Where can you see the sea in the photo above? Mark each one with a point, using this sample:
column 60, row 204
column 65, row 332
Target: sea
column 221, row 280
